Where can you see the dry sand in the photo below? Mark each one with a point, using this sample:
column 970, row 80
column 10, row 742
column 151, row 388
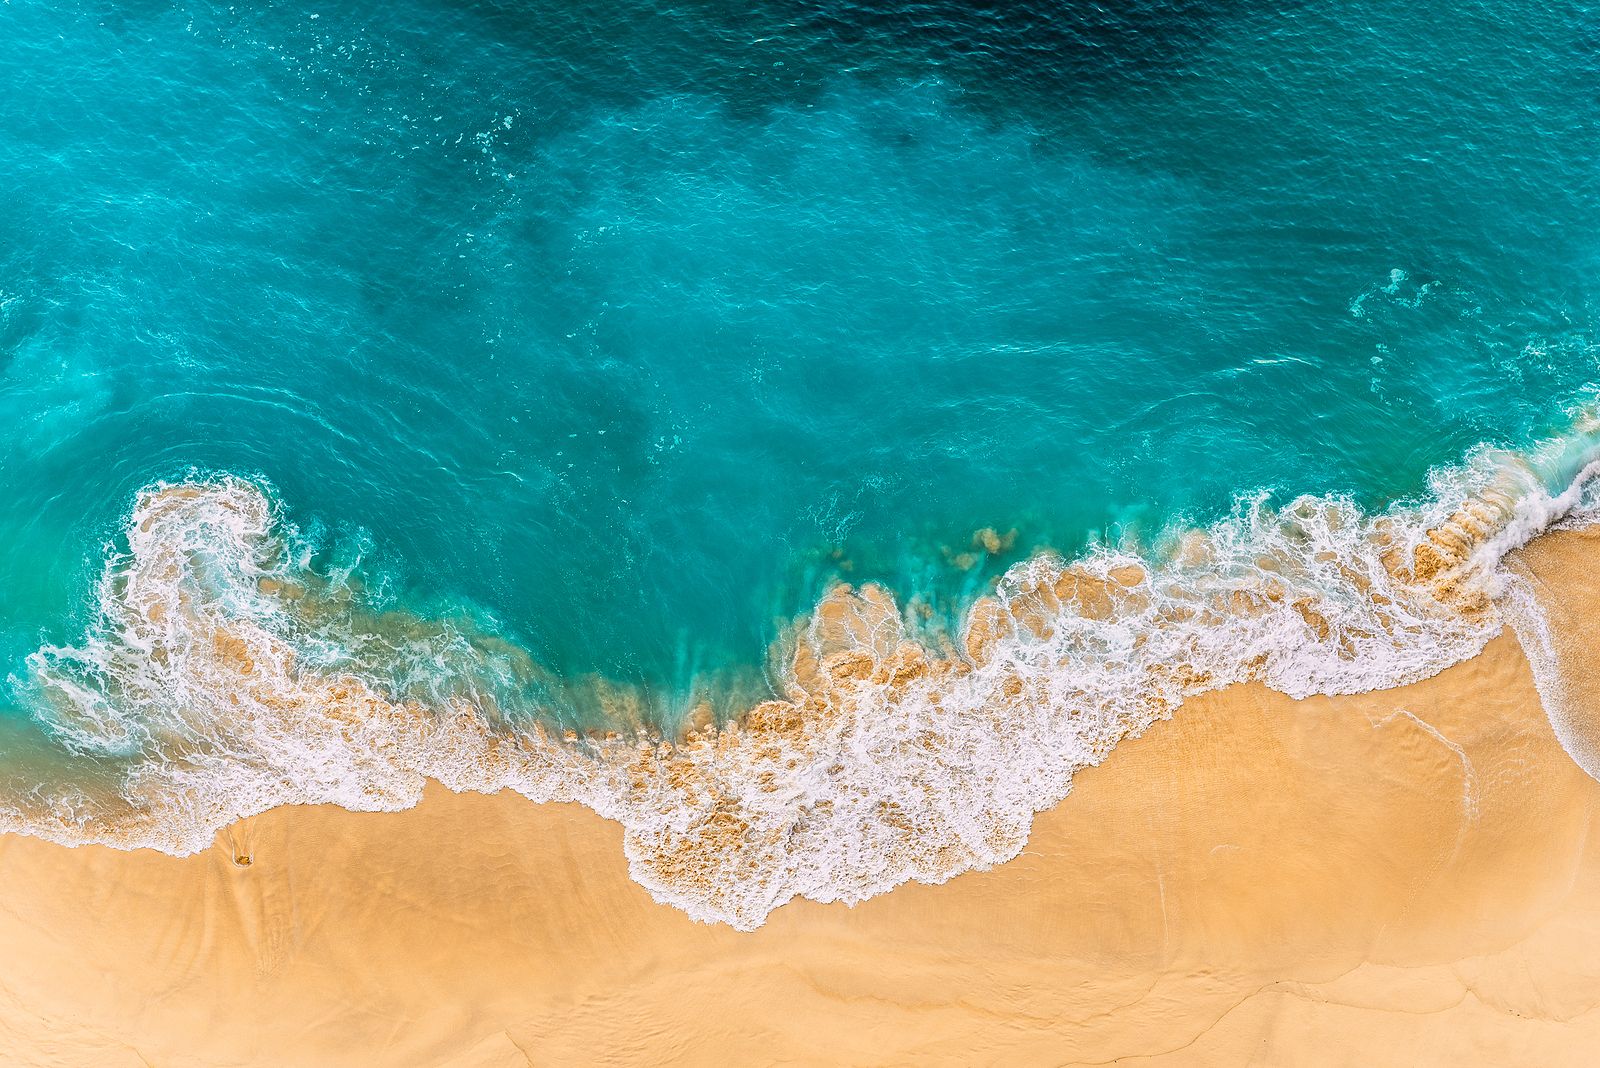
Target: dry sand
column 1405, row 877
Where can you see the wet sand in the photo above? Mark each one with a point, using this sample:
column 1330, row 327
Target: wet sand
column 1405, row 877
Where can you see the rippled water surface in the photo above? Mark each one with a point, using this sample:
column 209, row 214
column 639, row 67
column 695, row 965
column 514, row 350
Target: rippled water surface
column 618, row 332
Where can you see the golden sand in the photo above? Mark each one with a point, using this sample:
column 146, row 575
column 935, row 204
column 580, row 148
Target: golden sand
column 1405, row 877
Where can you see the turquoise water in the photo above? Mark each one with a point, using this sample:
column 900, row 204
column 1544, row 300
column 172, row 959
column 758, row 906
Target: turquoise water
column 618, row 333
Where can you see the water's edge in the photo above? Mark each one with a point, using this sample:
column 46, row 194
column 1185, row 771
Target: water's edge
column 223, row 677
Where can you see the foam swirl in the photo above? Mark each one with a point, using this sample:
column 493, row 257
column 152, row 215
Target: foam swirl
column 205, row 690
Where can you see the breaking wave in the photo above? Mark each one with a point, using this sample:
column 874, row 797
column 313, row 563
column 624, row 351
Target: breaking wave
column 223, row 676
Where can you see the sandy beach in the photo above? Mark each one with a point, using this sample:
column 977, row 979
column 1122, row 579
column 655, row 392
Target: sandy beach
column 912, row 533
column 1404, row 877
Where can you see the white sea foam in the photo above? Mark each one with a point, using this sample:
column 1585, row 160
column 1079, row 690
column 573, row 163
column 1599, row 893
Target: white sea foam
column 206, row 681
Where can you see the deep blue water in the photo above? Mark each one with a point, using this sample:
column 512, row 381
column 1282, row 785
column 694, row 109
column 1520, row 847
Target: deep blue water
column 621, row 330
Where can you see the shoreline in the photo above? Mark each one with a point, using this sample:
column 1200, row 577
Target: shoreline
column 1406, row 874
column 884, row 760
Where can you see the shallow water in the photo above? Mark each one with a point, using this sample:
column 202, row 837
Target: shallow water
column 580, row 351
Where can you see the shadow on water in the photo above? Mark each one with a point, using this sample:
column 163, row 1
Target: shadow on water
column 783, row 53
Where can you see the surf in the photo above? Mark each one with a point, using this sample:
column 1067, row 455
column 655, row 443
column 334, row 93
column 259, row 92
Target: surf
column 223, row 675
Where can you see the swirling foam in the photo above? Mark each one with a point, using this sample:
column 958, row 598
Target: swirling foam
column 207, row 688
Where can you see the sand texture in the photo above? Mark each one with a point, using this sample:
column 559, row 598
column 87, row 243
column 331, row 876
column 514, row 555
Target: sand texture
column 1404, row 877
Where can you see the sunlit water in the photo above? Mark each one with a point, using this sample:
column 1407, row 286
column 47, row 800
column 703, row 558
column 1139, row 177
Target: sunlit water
column 579, row 350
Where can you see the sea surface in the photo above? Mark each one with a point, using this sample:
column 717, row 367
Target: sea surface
column 804, row 432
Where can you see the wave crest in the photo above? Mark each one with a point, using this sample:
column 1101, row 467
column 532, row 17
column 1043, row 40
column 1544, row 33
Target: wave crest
column 206, row 689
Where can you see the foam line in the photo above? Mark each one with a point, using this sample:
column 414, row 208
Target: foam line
column 207, row 680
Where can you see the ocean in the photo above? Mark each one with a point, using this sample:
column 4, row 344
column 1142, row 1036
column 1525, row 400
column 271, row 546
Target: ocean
column 805, row 433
